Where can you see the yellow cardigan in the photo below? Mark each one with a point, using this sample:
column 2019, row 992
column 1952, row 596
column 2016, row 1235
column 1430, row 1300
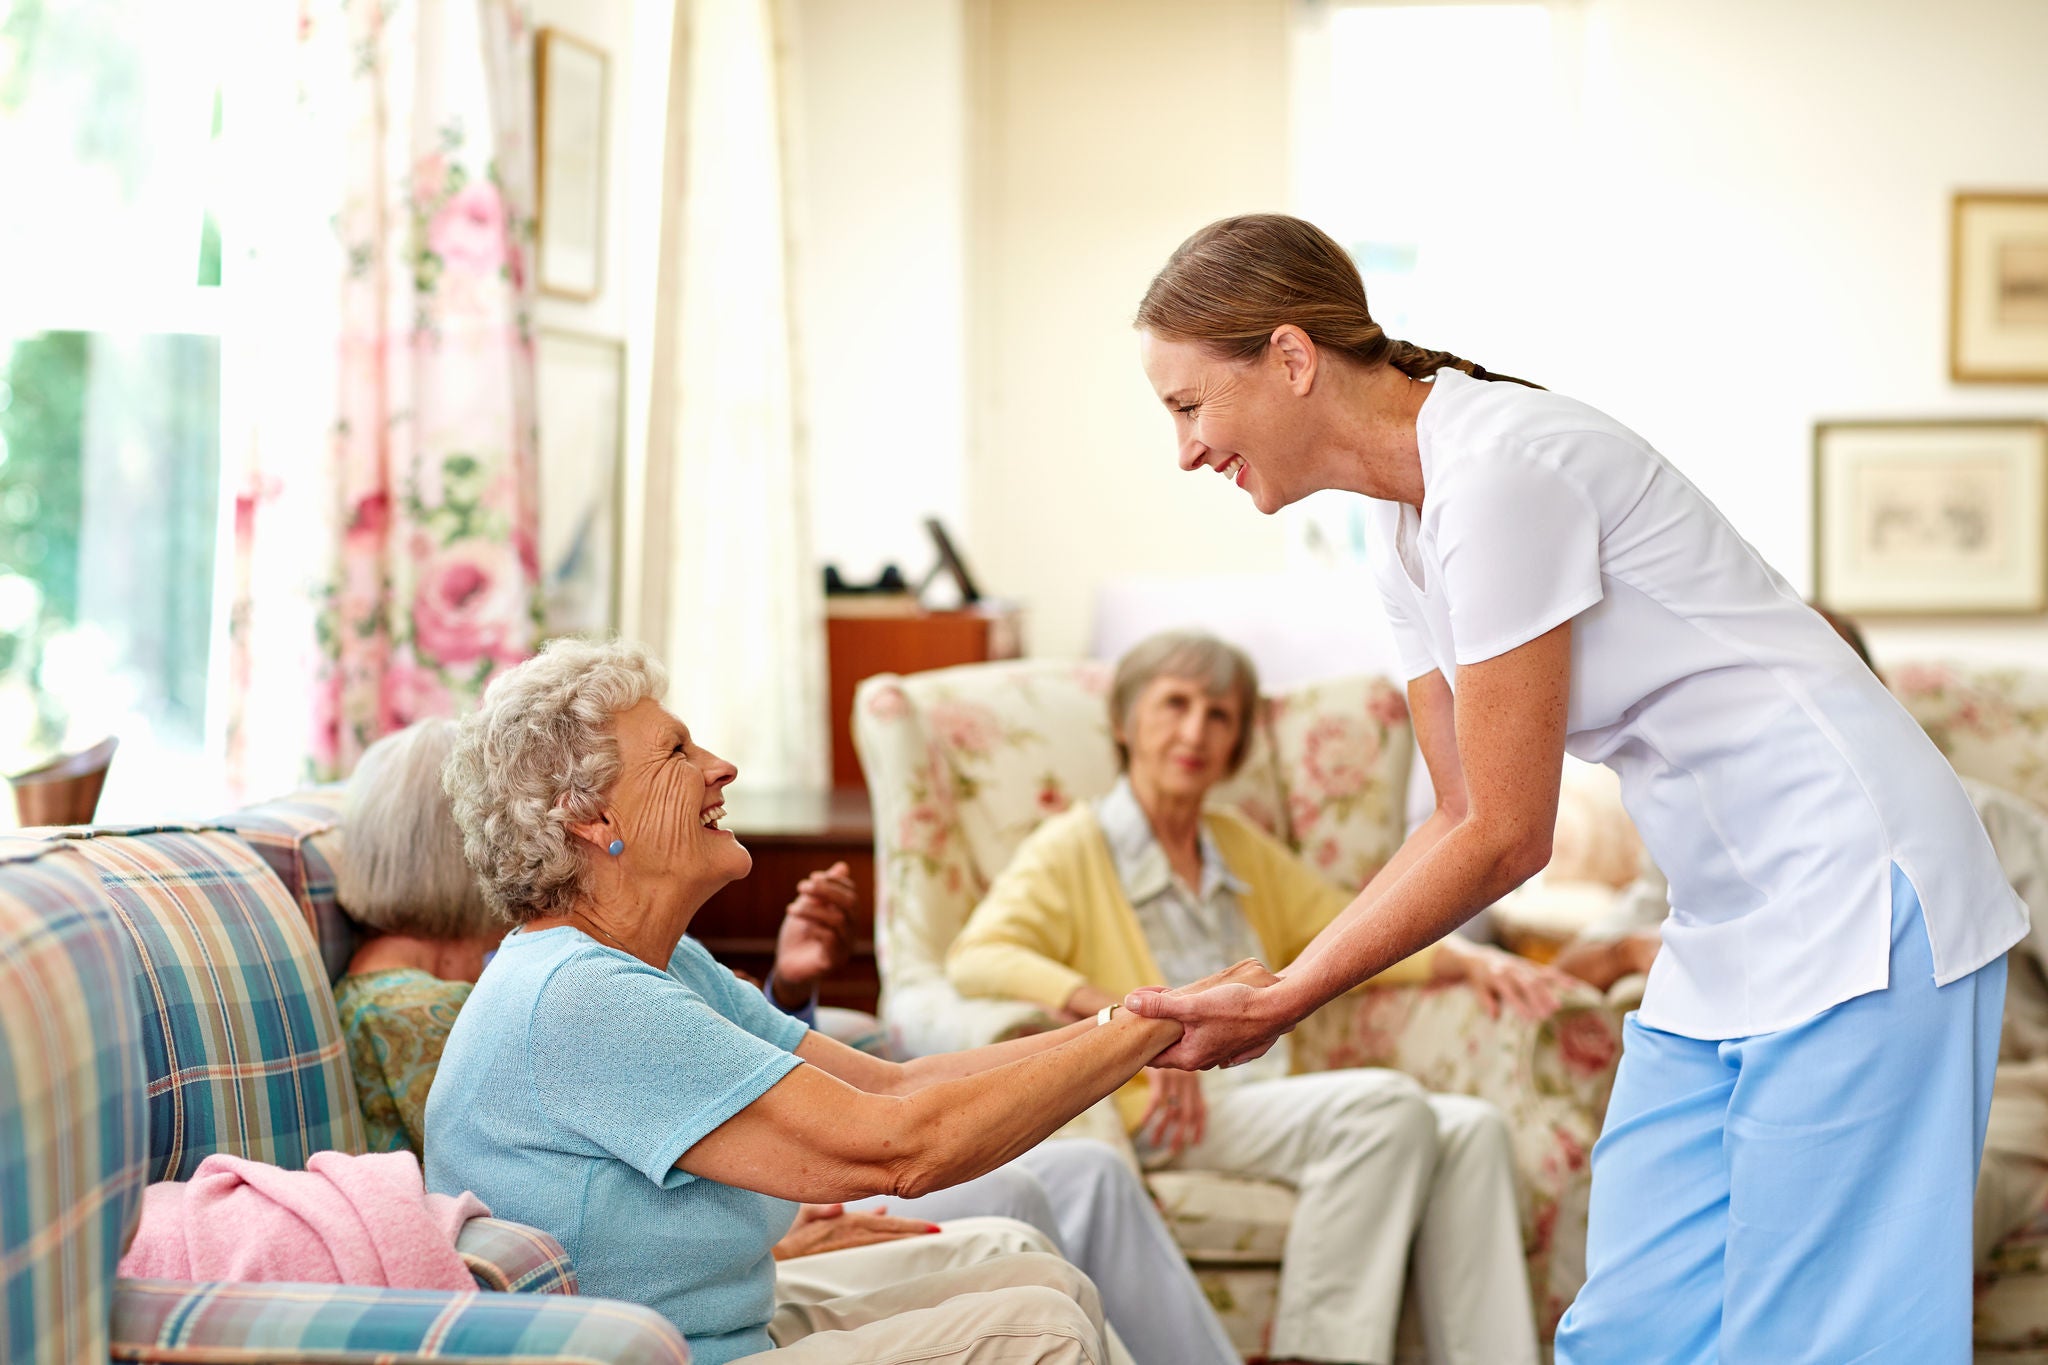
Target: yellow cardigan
column 1057, row 917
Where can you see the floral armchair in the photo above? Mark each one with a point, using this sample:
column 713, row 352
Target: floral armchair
column 1992, row 723
column 963, row 763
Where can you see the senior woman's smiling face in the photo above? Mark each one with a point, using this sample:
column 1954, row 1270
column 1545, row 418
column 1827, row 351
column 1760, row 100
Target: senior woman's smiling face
column 669, row 799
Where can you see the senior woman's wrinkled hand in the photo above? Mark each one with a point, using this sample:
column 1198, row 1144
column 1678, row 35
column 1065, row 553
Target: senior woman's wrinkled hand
column 1228, row 1017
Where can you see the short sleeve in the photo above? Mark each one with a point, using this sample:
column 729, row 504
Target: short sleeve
column 641, row 1066
column 1398, row 602
column 1409, row 641
column 1519, row 542
column 743, row 1004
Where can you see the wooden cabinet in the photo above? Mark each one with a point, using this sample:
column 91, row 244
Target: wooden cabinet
column 792, row 834
column 860, row 646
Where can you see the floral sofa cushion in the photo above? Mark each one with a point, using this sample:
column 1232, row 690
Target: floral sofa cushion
column 1992, row 723
column 1550, row 1080
column 1342, row 750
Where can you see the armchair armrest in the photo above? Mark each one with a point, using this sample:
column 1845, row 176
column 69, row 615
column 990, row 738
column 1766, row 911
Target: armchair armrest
column 929, row 1016
column 1550, row 1079
column 512, row 1258
column 231, row 1324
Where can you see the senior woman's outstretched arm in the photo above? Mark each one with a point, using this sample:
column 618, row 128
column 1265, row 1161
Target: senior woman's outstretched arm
column 818, row 1138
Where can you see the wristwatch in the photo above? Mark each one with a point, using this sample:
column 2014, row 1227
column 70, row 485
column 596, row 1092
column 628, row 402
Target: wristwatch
column 1102, row 1015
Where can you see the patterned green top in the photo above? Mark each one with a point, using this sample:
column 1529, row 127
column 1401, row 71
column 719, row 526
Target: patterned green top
column 396, row 1022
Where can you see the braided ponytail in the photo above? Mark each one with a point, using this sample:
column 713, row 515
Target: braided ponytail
column 1419, row 363
column 1233, row 282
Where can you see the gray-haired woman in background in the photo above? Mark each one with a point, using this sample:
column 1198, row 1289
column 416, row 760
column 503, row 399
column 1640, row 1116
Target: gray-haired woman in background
column 402, row 878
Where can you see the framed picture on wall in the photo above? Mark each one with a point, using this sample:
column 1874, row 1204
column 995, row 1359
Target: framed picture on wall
column 570, row 90
column 1998, row 292
column 1931, row 518
column 580, row 401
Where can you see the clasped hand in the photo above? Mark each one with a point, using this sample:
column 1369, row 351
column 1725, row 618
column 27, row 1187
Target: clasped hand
column 1226, row 1018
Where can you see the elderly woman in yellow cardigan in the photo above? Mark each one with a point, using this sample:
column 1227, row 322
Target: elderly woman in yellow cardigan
column 1148, row 886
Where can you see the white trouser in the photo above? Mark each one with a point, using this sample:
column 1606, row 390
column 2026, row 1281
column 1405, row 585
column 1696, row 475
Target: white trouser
column 1084, row 1196
column 1029, row 1308
column 1383, row 1170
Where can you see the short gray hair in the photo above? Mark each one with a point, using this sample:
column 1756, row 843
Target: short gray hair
column 1221, row 667
column 538, row 755
column 401, row 869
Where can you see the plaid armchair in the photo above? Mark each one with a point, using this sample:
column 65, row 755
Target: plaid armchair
column 963, row 763
column 163, row 995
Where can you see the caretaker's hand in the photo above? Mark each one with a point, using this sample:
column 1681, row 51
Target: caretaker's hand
column 1231, row 1016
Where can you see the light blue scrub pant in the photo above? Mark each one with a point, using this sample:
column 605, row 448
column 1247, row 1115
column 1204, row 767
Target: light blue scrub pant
column 1799, row 1196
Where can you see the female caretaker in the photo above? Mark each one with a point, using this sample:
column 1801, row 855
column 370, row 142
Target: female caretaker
column 1788, row 1160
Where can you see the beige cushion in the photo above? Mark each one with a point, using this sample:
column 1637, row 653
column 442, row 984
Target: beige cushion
column 1224, row 1219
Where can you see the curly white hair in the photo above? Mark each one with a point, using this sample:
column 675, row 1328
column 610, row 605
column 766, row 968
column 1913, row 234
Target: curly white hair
column 538, row 755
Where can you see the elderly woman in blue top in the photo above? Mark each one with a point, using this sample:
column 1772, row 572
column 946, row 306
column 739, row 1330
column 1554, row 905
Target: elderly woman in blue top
column 1787, row 1165
column 610, row 1083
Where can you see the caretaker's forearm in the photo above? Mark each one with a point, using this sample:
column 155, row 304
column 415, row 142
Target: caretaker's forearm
column 1459, row 873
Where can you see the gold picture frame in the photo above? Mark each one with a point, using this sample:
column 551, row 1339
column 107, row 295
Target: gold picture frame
column 1998, row 289
column 580, row 411
column 1942, row 517
column 572, row 84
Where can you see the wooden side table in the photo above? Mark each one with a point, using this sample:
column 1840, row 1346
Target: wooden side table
column 792, row 834
column 861, row 645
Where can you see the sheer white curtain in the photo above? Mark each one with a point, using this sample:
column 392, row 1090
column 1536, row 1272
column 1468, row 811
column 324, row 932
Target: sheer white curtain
column 744, row 635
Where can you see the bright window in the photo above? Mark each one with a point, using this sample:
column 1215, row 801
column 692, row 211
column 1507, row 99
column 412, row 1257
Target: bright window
column 110, row 262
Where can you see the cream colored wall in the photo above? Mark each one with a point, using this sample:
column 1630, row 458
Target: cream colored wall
column 879, row 202
column 1103, row 134
column 1763, row 239
column 1757, row 239
column 1742, row 230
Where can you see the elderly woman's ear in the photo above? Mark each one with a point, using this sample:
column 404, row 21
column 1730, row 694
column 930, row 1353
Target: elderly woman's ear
column 601, row 833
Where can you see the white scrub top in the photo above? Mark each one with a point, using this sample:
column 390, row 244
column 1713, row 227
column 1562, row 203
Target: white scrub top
column 1768, row 771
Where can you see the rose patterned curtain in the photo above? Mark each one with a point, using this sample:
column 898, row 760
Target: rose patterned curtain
column 384, row 536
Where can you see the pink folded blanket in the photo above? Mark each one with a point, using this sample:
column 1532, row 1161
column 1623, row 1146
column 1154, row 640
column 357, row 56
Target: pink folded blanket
column 364, row 1220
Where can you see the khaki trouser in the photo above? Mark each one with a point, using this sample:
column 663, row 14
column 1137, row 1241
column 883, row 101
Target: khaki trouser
column 1387, row 1174
column 2010, row 1191
column 1027, row 1308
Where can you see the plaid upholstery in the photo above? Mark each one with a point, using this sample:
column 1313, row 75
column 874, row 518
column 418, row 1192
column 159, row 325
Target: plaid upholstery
column 72, row 1140
column 161, row 1320
column 243, row 1051
column 293, row 835
column 514, row 1258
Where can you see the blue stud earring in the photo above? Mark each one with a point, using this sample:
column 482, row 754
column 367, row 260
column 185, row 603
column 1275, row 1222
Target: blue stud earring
column 617, row 847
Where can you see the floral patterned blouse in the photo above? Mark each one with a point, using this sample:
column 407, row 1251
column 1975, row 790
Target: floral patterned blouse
column 396, row 1022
